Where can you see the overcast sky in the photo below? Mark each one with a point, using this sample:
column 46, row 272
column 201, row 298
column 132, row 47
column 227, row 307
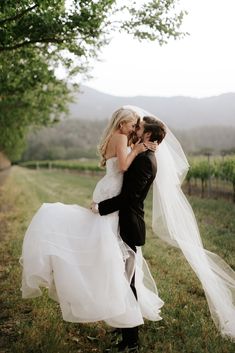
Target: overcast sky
column 202, row 64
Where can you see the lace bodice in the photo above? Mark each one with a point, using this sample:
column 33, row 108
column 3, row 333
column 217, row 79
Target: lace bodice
column 110, row 185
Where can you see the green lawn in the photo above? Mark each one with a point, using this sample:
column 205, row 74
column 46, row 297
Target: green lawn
column 36, row 326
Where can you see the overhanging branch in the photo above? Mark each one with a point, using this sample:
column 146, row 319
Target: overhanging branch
column 29, row 42
column 19, row 15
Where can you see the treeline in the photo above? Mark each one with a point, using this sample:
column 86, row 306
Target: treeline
column 204, row 139
column 71, row 139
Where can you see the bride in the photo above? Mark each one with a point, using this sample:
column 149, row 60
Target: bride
column 80, row 257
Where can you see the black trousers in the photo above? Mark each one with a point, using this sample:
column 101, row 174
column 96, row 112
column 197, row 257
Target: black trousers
column 130, row 335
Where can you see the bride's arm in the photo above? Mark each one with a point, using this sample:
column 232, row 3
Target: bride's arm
column 124, row 158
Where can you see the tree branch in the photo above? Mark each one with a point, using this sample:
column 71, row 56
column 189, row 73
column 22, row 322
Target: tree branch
column 19, row 15
column 28, row 42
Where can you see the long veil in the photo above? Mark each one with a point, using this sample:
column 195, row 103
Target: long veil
column 173, row 221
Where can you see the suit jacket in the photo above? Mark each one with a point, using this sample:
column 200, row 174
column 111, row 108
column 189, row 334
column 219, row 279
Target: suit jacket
column 130, row 202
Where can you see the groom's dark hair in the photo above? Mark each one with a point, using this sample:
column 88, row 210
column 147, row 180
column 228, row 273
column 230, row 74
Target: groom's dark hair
column 149, row 119
column 156, row 127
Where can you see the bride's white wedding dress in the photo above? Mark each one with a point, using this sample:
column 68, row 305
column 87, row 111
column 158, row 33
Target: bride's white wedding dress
column 81, row 259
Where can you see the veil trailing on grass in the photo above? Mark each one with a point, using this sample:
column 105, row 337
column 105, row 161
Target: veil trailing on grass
column 173, row 221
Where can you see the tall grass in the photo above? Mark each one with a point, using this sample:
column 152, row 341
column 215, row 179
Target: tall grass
column 36, row 325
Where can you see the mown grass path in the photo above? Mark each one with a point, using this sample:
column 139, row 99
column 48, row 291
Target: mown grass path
column 36, row 326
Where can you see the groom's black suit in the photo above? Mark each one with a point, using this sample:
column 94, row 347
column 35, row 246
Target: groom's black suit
column 130, row 203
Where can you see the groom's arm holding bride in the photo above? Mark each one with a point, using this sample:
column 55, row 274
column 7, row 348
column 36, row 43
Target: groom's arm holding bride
column 135, row 179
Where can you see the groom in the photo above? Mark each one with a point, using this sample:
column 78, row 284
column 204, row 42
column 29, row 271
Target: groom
column 130, row 204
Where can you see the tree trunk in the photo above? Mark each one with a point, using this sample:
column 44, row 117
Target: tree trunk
column 4, row 161
column 4, row 167
column 234, row 191
column 203, row 189
column 189, row 188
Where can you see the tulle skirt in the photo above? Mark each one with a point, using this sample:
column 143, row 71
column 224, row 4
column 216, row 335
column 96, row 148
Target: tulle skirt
column 82, row 261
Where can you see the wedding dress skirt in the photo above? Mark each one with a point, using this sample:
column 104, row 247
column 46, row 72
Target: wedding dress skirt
column 81, row 259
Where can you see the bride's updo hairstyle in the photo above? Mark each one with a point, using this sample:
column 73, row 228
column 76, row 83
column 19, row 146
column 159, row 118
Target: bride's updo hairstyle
column 119, row 117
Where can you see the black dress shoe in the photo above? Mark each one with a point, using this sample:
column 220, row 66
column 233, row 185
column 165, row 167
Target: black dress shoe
column 115, row 331
column 124, row 347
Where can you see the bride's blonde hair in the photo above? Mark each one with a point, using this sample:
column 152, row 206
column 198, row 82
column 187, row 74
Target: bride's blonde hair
column 120, row 116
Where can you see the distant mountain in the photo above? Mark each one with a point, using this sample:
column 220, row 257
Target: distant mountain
column 178, row 112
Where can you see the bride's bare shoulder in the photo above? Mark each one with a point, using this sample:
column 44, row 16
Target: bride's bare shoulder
column 118, row 138
column 116, row 142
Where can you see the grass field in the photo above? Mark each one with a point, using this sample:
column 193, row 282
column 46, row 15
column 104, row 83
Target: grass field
column 36, row 326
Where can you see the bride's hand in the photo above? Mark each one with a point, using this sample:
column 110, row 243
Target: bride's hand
column 139, row 147
column 152, row 146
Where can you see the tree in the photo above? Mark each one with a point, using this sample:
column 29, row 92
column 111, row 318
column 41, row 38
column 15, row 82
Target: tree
column 30, row 95
column 86, row 24
column 37, row 36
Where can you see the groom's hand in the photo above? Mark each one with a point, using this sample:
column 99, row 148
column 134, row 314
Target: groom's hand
column 94, row 207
